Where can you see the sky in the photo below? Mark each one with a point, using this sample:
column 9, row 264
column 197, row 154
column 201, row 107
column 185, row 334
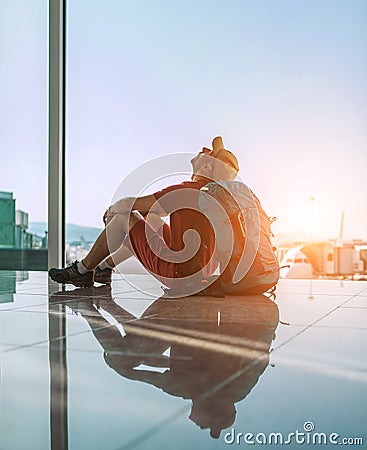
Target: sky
column 284, row 83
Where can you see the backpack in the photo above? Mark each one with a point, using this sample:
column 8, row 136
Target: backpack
column 243, row 238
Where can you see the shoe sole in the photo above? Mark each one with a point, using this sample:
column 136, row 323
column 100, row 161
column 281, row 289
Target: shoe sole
column 102, row 281
column 80, row 285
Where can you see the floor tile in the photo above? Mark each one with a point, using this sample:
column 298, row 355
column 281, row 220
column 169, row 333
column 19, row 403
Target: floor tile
column 346, row 318
column 25, row 405
column 24, row 301
column 356, row 302
column 300, row 310
column 320, row 287
column 22, row 328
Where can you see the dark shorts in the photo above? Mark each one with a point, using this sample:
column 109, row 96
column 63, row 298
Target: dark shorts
column 151, row 249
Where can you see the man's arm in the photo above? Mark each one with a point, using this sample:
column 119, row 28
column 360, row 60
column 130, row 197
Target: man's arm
column 145, row 204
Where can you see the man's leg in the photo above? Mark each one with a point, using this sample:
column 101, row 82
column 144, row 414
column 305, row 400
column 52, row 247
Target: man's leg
column 124, row 253
column 153, row 251
column 111, row 239
column 81, row 274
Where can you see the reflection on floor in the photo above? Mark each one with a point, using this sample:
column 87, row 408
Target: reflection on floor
column 125, row 367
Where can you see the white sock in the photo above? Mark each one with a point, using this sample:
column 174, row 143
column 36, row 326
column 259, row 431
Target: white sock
column 104, row 265
column 81, row 268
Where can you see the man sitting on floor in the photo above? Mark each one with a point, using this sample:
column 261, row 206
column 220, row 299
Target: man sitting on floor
column 134, row 226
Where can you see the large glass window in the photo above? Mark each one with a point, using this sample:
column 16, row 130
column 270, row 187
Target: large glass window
column 284, row 86
column 23, row 135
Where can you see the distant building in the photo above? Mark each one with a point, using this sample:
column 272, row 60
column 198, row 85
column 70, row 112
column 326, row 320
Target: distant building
column 7, row 220
column 13, row 224
column 19, row 249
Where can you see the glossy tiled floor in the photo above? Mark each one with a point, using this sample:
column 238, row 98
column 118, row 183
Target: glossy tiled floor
column 123, row 368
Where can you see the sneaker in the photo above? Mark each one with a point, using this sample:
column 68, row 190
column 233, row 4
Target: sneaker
column 103, row 276
column 71, row 275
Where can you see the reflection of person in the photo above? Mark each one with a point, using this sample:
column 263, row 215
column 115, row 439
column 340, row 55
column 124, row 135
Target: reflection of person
column 159, row 247
column 213, row 362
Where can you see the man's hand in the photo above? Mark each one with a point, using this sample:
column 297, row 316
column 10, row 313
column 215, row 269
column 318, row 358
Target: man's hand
column 127, row 204
column 105, row 215
column 123, row 206
column 108, row 215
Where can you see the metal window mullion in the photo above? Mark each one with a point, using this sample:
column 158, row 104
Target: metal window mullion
column 56, row 133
